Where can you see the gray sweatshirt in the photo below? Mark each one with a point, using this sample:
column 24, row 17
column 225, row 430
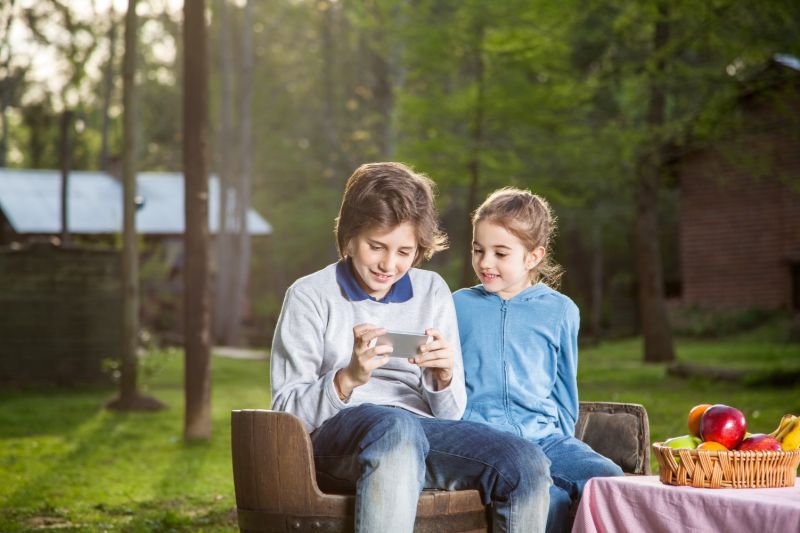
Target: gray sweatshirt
column 314, row 338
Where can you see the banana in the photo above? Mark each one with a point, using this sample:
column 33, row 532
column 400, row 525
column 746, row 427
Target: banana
column 787, row 428
column 787, row 420
column 790, row 440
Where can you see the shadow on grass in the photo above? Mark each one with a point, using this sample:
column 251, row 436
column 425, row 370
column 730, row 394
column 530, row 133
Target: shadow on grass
column 87, row 444
column 109, row 444
column 180, row 515
column 56, row 411
column 149, row 516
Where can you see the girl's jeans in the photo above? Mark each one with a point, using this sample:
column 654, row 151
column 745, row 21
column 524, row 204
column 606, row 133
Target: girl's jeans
column 388, row 455
column 572, row 464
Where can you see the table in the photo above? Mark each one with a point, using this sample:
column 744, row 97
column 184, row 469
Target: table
column 643, row 503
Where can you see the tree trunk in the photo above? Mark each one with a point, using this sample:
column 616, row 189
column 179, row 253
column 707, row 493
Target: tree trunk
column 197, row 369
column 65, row 160
column 239, row 291
column 474, row 165
column 129, row 398
column 658, row 346
column 596, row 309
column 329, row 121
column 223, row 296
column 7, row 84
column 108, row 89
column 381, row 57
column 4, row 126
column 130, row 264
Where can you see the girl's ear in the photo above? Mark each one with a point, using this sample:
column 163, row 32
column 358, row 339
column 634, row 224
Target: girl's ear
column 534, row 257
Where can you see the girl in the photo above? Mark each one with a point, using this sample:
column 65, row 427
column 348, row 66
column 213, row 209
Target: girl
column 519, row 340
column 387, row 427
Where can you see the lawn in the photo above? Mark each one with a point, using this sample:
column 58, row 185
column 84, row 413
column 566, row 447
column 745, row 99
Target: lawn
column 67, row 464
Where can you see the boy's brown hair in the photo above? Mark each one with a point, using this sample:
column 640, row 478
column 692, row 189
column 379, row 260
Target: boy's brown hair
column 385, row 195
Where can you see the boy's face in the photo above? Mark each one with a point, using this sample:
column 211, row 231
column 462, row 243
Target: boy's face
column 501, row 260
column 382, row 256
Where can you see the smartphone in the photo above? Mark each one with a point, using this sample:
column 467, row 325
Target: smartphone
column 405, row 344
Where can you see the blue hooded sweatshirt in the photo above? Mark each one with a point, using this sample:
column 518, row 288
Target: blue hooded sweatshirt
column 520, row 360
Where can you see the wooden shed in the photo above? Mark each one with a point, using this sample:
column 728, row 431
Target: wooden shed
column 739, row 202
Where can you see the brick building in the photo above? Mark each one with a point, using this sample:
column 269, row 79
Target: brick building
column 739, row 222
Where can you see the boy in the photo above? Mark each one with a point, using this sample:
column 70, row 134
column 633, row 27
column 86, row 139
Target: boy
column 384, row 426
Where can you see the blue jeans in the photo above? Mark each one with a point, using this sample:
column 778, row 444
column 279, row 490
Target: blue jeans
column 572, row 464
column 388, row 455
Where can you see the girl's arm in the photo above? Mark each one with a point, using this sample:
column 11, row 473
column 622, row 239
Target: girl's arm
column 565, row 390
column 298, row 384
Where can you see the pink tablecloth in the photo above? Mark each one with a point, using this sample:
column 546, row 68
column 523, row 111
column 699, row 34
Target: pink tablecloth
column 643, row 503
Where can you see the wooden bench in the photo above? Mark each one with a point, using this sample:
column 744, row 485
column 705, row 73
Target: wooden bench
column 276, row 486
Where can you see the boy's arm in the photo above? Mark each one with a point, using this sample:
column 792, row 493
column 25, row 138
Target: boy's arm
column 298, row 386
column 565, row 390
column 451, row 401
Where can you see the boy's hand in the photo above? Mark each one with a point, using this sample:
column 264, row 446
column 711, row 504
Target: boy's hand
column 438, row 356
column 364, row 359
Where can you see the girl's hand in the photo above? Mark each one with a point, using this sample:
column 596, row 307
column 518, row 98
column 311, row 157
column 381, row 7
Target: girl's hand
column 363, row 360
column 438, row 356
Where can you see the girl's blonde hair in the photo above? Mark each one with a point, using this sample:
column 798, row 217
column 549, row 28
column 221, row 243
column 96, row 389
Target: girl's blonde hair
column 528, row 217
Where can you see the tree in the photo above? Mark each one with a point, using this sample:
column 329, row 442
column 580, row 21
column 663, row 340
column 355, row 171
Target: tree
column 11, row 77
column 108, row 89
column 224, row 296
column 233, row 239
column 656, row 331
column 129, row 398
column 197, row 323
column 243, row 189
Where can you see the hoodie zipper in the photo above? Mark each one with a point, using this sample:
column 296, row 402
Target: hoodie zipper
column 503, row 315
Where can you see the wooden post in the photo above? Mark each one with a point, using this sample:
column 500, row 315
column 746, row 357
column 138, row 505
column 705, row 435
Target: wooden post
column 65, row 158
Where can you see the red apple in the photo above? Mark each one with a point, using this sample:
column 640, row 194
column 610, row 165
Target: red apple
column 723, row 424
column 760, row 441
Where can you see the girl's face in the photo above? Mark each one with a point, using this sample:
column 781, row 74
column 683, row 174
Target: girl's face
column 382, row 256
column 501, row 261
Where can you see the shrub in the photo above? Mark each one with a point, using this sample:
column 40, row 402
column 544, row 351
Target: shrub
column 698, row 321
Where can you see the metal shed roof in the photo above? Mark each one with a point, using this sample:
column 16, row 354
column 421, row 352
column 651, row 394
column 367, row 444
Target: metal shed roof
column 31, row 201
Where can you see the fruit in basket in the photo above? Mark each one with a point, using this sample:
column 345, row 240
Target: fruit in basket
column 723, row 424
column 710, row 445
column 786, row 425
column 695, row 414
column 684, row 441
column 759, row 442
column 790, row 439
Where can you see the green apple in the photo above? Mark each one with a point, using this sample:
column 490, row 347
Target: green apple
column 684, row 441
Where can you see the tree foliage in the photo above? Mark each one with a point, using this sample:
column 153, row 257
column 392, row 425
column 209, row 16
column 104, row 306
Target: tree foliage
column 551, row 96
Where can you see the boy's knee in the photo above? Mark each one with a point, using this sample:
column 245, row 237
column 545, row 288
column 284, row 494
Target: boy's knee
column 397, row 430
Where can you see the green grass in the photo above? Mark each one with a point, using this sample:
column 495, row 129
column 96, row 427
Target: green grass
column 67, row 464
column 614, row 372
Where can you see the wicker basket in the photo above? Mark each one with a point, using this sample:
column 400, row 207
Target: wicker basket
column 726, row 469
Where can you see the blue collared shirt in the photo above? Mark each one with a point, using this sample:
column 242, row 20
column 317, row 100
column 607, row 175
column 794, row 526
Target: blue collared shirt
column 401, row 291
